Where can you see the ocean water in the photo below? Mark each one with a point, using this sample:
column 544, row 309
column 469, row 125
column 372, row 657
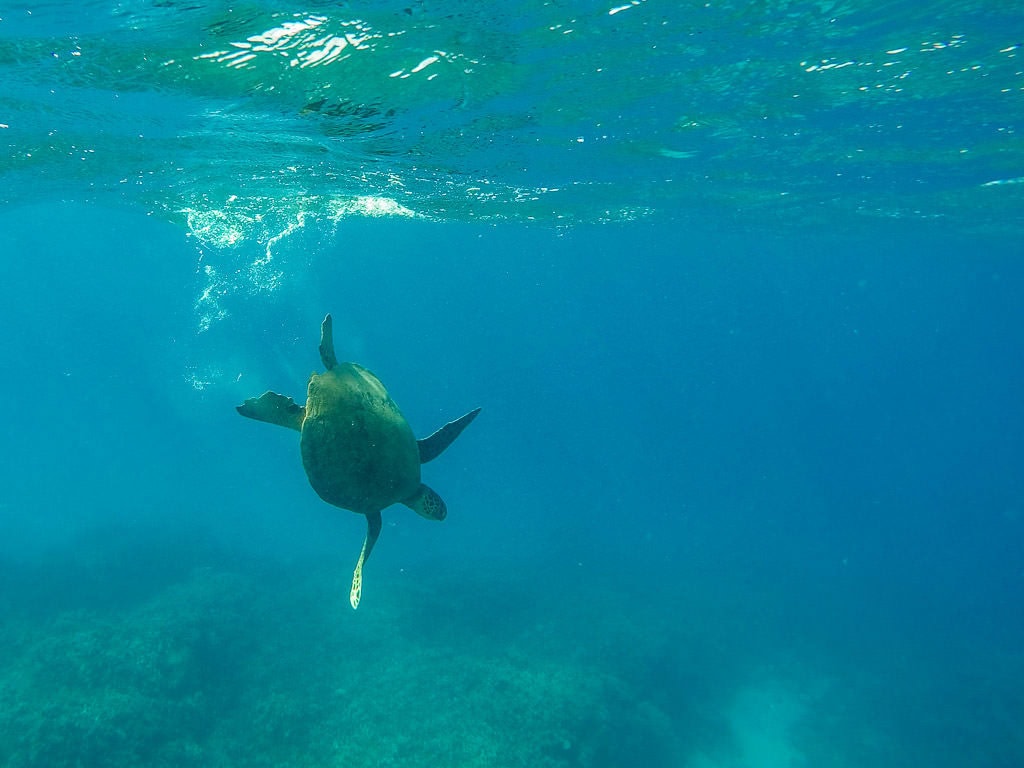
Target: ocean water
column 738, row 286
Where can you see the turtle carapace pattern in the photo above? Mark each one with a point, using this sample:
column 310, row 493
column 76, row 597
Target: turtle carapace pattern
column 358, row 451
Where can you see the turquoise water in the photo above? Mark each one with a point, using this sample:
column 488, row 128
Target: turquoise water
column 738, row 288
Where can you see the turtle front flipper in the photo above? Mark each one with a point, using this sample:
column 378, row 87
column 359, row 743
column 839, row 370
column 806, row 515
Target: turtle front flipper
column 327, row 356
column 373, row 525
column 431, row 447
column 426, row 503
column 274, row 409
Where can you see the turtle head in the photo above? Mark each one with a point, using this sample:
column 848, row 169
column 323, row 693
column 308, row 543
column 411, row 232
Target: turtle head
column 426, row 503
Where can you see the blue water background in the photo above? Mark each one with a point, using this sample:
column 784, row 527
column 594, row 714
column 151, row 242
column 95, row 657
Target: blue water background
column 820, row 438
column 764, row 483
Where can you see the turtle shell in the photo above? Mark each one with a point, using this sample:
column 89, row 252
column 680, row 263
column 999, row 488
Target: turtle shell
column 357, row 448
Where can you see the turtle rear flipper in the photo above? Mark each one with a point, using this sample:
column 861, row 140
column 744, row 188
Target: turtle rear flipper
column 327, row 356
column 426, row 503
column 431, row 447
column 274, row 409
column 373, row 526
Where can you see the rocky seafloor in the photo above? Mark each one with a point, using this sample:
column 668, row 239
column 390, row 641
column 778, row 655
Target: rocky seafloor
column 173, row 653
column 172, row 656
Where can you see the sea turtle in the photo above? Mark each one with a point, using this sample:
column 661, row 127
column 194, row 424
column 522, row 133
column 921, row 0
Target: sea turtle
column 357, row 449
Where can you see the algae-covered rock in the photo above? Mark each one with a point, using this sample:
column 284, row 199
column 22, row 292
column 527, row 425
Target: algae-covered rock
column 263, row 667
column 139, row 687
